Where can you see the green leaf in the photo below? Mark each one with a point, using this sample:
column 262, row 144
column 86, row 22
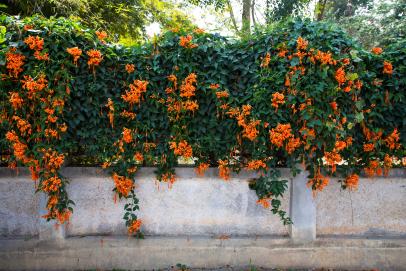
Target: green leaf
column 359, row 116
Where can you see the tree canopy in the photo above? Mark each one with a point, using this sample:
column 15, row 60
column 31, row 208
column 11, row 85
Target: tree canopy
column 125, row 18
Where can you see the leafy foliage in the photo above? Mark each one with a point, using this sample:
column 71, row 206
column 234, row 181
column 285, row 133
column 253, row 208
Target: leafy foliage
column 339, row 8
column 277, row 9
column 381, row 25
column 126, row 18
column 300, row 92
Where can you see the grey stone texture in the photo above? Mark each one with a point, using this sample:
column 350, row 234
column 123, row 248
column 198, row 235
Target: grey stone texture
column 19, row 207
column 302, row 210
column 204, row 222
column 122, row 253
column 192, row 206
column 377, row 208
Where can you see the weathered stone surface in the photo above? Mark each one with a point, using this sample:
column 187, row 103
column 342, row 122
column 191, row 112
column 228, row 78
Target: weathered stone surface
column 108, row 253
column 302, row 210
column 193, row 206
column 377, row 208
column 186, row 224
column 202, row 206
column 19, row 216
column 48, row 230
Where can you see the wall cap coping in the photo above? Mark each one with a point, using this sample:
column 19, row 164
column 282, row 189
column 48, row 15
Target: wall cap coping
column 181, row 172
column 163, row 241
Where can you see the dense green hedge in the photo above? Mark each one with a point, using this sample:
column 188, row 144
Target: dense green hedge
column 232, row 64
column 367, row 114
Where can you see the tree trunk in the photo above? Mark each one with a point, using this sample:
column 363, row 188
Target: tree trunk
column 321, row 6
column 254, row 22
column 246, row 16
column 230, row 8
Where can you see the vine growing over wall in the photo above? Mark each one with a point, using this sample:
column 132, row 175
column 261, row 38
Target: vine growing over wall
column 300, row 93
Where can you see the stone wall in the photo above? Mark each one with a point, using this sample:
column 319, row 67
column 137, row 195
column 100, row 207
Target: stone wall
column 377, row 208
column 206, row 208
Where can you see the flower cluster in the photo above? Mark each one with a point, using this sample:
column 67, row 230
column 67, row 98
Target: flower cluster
column 110, row 106
column 392, row 140
column 301, row 43
column 188, row 89
column 37, row 44
column 127, row 135
column 256, row 164
column 318, row 182
column 265, row 202
column 340, row 76
column 15, row 62
column 176, row 104
column 19, row 147
column 387, row 67
column 15, row 100
column 52, row 184
column 123, row 185
column 324, row 58
column 224, row 169
column 135, row 226
column 377, row 50
column 101, row 35
column 222, row 94
column 35, row 130
column 351, row 182
column 277, row 99
column 34, row 87
column 53, row 160
column 201, row 169
column 95, row 58
column 266, row 60
column 249, row 126
column 75, row 52
column 130, row 68
column 186, row 42
column 181, row 149
column 280, row 134
column 134, row 95
column 373, row 169
column 168, row 177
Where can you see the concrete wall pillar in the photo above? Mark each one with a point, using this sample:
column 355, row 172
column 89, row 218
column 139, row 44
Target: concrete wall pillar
column 302, row 210
column 48, row 230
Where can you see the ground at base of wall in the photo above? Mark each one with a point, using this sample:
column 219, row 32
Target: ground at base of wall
column 101, row 253
column 248, row 268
